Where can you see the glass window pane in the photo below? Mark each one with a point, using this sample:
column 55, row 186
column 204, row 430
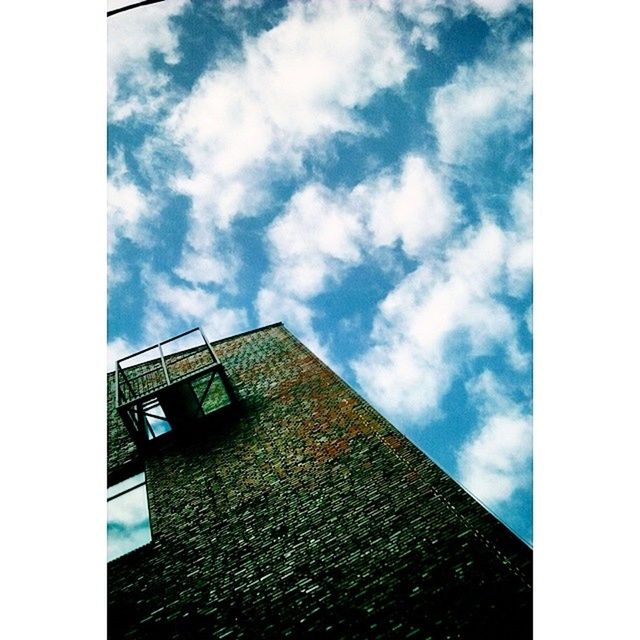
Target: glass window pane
column 123, row 486
column 215, row 398
column 127, row 521
column 157, row 422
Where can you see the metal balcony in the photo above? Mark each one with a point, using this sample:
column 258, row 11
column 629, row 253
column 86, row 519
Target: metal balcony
column 168, row 387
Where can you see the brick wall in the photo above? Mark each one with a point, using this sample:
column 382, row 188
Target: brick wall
column 308, row 515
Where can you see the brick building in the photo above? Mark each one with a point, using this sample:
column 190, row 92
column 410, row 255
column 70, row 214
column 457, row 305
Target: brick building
column 293, row 510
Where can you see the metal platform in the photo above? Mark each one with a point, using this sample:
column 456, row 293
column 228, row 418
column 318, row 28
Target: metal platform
column 168, row 386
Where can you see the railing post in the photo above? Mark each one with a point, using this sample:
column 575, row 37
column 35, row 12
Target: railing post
column 164, row 364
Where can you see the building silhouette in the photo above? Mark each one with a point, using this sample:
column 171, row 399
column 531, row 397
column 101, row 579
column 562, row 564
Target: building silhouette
column 254, row 494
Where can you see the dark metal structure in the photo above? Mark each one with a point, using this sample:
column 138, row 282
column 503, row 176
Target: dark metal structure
column 164, row 388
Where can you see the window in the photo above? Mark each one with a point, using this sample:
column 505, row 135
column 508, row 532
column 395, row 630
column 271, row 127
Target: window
column 127, row 516
column 210, row 393
column 156, row 421
column 177, row 407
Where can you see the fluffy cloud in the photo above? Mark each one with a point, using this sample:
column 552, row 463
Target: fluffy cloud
column 426, row 15
column 520, row 257
column 118, row 348
column 496, row 461
column 495, row 8
column 324, row 232
column 172, row 308
column 253, row 117
column 414, row 207
column 241, row 4
column 317, row 235
column 481, row 100
column 134, row 87
column 450, row 309
column 529, row 319
column 444, row 312
column 127, row 206
column 522, row 207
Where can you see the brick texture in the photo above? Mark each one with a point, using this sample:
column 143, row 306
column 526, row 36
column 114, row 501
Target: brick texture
column 306, row 514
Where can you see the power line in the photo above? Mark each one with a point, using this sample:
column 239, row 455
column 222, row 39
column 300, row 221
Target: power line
column 131, row 6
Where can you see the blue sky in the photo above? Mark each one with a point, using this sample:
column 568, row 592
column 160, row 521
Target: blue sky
column 360, row 171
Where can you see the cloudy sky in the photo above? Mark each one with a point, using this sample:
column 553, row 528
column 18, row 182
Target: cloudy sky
column 360, row 171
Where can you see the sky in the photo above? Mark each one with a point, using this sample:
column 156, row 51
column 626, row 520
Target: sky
column 360, row 171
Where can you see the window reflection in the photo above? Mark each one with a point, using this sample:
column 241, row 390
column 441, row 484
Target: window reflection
column 127, row 517
column 210, row 393
column 157, row 423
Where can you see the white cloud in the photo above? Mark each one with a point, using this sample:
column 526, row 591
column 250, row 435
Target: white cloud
column 520, row 257
column 426, row 15
column 401, row 382
column 312, row 241
column 522, row 207
column 118, row 348
column 293, row 87
column 133, row 36
column 473, row 276
column 488, row 394
column 241, row 4
column 529, row 319
column 439, row 316
column 496, row 461
column 172, row 308
column 496, row 8
column 414, row 207
column 519, row 266
column 204, row 268
column 481, row 100
column 323, row 233
column 127, row 206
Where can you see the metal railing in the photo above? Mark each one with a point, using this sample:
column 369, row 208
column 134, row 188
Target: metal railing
column 159, row 390
column 144, row 378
